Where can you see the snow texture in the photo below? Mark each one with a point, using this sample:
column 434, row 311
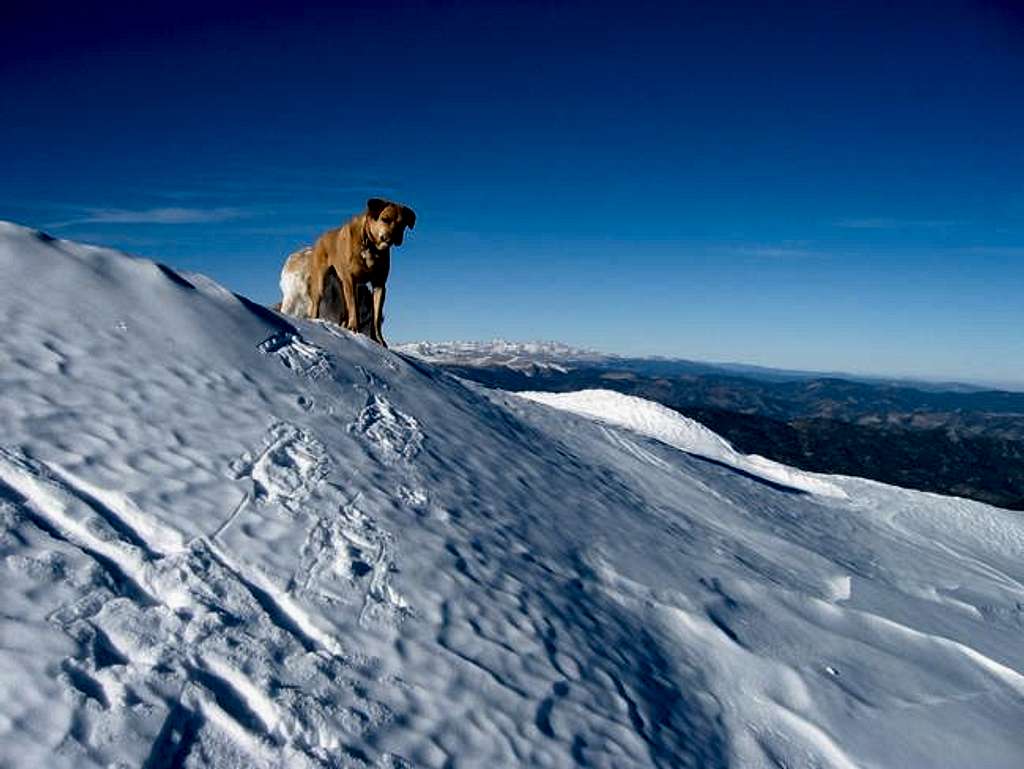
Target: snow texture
column 657, row 421
column 231, row 539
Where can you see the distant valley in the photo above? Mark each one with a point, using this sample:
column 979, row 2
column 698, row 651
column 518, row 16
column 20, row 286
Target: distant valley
column 961, row 441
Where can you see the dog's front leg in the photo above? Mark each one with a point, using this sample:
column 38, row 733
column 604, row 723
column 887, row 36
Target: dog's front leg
column 379, row 293
column 348, row 288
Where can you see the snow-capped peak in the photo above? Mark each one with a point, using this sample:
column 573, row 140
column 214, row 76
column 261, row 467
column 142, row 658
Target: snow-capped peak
column 521, row 356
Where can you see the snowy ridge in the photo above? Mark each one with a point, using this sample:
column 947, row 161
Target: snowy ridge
column 231, row 540
column 662, row 423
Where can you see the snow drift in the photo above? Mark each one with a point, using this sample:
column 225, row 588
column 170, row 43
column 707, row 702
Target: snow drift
column 657, row 421
column 233, row 540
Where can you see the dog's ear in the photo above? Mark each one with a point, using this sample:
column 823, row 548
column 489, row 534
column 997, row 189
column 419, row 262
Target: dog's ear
column 408, row 217
column 374, row 206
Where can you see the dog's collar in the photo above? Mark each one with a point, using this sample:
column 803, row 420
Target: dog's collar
column 367, row 241
column 366, row 235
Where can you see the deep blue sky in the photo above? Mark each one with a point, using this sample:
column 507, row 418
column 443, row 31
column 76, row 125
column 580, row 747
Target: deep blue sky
column 819, row 185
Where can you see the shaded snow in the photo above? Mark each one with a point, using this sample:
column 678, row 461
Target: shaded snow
column 231, row 540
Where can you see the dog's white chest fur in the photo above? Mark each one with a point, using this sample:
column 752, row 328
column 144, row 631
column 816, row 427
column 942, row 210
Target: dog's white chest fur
column 369, row 258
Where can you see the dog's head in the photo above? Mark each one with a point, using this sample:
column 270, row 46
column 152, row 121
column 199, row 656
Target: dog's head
column 386, row 222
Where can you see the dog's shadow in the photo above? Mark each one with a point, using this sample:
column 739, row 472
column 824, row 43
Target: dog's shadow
column 332, row 303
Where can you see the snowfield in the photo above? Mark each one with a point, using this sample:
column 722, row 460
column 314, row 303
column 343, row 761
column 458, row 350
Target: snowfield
column 233, row 540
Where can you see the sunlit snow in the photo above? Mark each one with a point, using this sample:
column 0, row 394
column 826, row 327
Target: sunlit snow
column 230, row 539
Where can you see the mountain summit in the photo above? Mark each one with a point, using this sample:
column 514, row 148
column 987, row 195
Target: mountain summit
column 234, row 540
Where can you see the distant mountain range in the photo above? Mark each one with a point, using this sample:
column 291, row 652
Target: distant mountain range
column 530, row 356
column 950, row 438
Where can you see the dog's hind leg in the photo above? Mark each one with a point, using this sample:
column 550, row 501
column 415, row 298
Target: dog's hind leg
column 332, row 304
column 316, row 291
column 295, row 291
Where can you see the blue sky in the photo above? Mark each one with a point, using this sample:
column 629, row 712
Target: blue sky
column 827, row 186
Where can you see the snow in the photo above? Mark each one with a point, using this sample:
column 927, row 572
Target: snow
column 231, row 539
column 657, row 421
column 524, row 357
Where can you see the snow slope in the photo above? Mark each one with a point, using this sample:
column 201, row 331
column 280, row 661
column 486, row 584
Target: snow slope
column 229, row 540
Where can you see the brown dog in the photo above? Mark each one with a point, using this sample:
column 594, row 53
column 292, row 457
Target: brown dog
column 360, row 252
column 295, row 293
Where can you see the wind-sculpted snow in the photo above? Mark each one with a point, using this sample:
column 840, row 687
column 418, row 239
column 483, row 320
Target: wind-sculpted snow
column 231, row 540
column 657, row 421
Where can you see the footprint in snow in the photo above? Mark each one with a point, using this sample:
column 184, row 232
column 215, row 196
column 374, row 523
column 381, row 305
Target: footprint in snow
column 187, row 635
column 295, row 353
column 350, row 558
column 392, row 435
column 286, row 469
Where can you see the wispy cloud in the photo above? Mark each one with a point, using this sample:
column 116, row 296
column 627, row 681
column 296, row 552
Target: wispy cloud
column 884, row 223
column 164, row 215
column 1008, row 251
column 775, row 252
column 276, row 190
